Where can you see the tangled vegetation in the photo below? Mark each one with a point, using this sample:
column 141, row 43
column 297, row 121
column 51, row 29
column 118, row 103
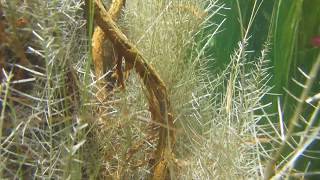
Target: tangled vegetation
column 156, row 89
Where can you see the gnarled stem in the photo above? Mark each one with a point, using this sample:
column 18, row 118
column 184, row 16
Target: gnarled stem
column 102, row 61
column 159, row 105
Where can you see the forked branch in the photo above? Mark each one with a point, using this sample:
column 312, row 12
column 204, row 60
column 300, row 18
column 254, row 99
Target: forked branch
column 100, row 59
column 159, row 105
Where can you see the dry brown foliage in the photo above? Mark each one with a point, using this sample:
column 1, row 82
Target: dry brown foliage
column 11, row 42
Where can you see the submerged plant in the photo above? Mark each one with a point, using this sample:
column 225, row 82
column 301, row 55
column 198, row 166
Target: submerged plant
column 133, row 90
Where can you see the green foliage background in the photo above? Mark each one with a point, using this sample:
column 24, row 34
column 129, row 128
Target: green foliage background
column 288, row 27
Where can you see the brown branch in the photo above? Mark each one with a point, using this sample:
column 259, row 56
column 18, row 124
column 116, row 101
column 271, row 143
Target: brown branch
column 157, row 94
column 101, row 60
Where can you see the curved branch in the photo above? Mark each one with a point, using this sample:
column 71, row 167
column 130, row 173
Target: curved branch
column 100, row 59
column 157, row 93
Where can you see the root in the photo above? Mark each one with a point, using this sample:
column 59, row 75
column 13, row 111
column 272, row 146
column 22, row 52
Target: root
column 159, row 105
column 102, row 61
